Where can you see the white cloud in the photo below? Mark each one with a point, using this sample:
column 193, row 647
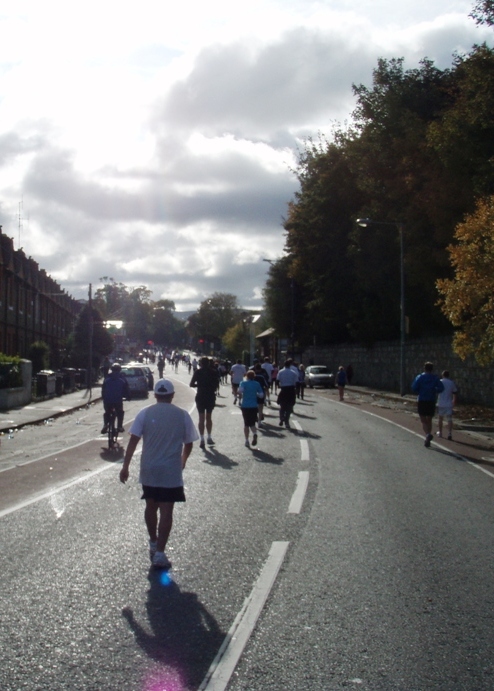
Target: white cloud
column 153, row 143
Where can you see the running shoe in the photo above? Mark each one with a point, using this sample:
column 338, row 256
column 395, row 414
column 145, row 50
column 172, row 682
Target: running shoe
column 152, row 549
column 450, row 437
column 202, row 445
column 104, row 430
column 428, row 440
column 254, row 440
column 161, row 561
column 210, row 441
column 438, row 434
column 121, row 429
column 287, row 425
column 247, row 444
column 281, row 423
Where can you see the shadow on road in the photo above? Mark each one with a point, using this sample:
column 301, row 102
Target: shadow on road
column 214, row 458
column 179, row 634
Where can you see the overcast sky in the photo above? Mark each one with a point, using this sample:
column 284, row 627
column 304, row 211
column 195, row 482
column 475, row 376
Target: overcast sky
column 153, row 142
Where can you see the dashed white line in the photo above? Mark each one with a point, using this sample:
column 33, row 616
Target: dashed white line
column 299, row 495
column 236, row 639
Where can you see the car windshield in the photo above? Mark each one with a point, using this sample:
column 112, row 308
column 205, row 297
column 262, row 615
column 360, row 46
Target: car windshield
column 132, row 372
column 319, row 370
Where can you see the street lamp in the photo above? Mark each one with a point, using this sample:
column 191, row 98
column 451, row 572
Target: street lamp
column 365, row 223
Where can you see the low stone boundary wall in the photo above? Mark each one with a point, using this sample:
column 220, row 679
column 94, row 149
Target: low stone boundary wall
column 379, row 367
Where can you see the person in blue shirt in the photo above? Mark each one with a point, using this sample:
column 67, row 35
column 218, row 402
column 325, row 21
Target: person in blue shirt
column 250, row 392
column 115, row 388
column 427, row 386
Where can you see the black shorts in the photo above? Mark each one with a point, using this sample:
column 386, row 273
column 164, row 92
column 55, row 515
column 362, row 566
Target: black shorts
column 250, row 416
column 426, row 408
column 163, row 494
column 205, row 403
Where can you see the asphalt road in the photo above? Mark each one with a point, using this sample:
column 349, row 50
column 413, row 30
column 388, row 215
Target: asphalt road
column 384, row 584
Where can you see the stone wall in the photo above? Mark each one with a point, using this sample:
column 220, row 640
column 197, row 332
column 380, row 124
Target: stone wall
column 379, row 366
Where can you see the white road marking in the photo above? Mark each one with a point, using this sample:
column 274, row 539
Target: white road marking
column 304, row 444
column 421, row 436
column 299, row 495
column 236, row 639
column 484, row 470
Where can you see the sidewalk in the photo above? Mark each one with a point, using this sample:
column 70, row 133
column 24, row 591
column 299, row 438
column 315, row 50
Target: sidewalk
column 34, row 413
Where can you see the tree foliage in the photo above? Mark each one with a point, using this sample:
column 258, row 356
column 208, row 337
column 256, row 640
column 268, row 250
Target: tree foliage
column 483, row 12
column 468, row 299
column 420, row 151
column 90, row 322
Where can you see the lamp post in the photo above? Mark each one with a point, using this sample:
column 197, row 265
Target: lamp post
column 364, row 223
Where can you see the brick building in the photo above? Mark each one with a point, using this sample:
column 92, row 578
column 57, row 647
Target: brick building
column 33, row 306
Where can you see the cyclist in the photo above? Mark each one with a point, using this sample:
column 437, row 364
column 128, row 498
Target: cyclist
column 115, row 388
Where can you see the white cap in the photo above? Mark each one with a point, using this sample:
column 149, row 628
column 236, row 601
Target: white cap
column 163, row 387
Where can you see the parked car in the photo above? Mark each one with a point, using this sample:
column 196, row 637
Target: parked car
column 147, row 371
column 137, row 379
column 319, row 375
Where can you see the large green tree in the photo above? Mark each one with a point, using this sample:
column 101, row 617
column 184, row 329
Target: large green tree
column 89, row 322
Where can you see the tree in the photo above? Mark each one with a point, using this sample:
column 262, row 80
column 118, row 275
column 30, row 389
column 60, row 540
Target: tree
column 102, row 341
column 483, row 12
column 468, row 299
column 215, row 316
column 166, row 329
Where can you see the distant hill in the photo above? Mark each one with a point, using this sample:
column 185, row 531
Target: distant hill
column 183, row 316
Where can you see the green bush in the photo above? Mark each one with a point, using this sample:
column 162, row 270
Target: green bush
column 10, row 371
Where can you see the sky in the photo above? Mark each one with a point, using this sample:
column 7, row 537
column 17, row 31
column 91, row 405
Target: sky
column 155, row 142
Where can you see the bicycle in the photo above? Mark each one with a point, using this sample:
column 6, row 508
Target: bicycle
column 112, row 429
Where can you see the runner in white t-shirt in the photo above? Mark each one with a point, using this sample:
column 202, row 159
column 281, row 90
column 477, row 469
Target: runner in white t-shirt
column 168, row 434
column 237, row 374
column 445, row 404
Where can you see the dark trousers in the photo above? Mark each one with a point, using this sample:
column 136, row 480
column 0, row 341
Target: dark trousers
column 119, row 410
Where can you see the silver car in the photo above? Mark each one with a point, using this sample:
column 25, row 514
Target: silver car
column 137, row 380
column 319, row 375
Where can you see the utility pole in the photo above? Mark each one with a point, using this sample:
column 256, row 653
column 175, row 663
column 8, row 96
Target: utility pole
column 90, row 336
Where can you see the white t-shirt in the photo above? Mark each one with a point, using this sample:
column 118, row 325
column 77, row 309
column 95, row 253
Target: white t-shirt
column 445, row 399
column 164, row 429
column 287, row 377
column 237, row 372
column 268, row 367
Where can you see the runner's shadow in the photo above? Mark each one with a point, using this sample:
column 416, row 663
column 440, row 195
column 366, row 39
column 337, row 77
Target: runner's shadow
column 264, row 457
column 178, row 633
column 214, row 458
column 305, row 417
column 479, row 447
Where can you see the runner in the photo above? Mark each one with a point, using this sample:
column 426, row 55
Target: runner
column 237, row 373
column 251, row 392
column 287, row 379
column 206, row 380
column 168, row 434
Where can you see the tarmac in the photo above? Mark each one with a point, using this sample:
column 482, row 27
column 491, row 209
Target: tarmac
column 470, row 443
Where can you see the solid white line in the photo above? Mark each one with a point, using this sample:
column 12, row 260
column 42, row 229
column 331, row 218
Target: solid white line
column 299, row 495
column 484, row 470
column 223, row 665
